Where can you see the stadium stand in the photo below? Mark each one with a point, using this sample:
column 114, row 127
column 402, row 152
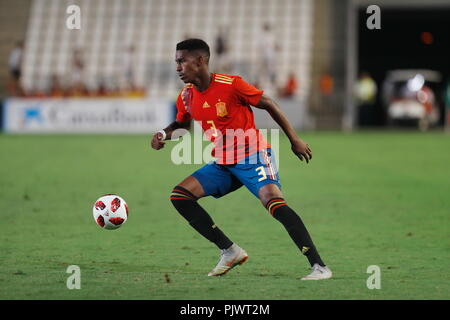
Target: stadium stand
column 153, row 27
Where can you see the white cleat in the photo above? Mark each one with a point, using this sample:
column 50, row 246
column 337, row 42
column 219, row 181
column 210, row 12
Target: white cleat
column 318, row 273
column 229, row 258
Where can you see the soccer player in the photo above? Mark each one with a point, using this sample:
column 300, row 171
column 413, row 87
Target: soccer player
column 221, row 104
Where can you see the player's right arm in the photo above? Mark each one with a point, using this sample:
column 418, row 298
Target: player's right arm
column 182, row 121
column 159, row 137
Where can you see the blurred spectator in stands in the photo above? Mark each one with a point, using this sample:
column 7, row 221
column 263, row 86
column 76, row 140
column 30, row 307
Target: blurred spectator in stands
column 427, row 98
column 104, row 87
column 222, row 51
column 102, row 90
column 324, row 96
column 366, row 92
column 289, row 89
column 77, row 86
column 129, row 68
column 15, row 68
column 366, row 89
column 56, row 89
column 326, row 84
column 267, row 49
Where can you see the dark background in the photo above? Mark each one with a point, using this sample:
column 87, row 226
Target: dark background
column 398, row 45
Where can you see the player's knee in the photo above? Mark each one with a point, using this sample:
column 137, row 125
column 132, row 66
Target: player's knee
column 181, row 194
column 184, row 202
column 274, row 205
column 269, row 192
column 267, row 198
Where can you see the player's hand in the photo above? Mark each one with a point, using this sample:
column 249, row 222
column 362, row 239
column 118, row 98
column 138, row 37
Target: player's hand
column 302, row 150
column 157, row 141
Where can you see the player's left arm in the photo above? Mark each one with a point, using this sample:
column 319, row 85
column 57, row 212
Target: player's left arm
column 298, row 146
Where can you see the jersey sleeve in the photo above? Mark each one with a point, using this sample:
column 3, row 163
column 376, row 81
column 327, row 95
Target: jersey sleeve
column 246, row 93
column 182, row 114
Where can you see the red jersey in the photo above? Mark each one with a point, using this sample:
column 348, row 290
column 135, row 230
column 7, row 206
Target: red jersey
column 223, row 110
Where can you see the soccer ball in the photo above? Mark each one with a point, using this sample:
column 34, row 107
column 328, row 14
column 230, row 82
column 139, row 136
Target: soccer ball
column 110, row 211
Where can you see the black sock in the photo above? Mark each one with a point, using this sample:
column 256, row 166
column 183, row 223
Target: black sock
column 296, row 229
column 186, row 204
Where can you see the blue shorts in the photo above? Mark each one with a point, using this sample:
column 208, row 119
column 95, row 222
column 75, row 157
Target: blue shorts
column 255, row 171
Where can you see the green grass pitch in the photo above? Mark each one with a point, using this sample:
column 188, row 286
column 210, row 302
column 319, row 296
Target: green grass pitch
column 368, row 198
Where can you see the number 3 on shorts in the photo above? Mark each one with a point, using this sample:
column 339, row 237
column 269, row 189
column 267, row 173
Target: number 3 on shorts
column 261, row 172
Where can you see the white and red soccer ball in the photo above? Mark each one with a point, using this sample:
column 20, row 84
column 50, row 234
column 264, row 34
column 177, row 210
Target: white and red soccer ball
column 110, row 211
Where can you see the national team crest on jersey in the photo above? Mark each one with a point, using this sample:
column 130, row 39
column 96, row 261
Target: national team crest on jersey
column 221, row 108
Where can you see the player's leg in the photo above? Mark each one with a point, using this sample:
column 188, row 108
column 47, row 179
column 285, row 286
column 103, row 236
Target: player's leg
column 216, row 181
column 259, row 174
column 193, row 186
column 272, row 199
column 184, row 198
